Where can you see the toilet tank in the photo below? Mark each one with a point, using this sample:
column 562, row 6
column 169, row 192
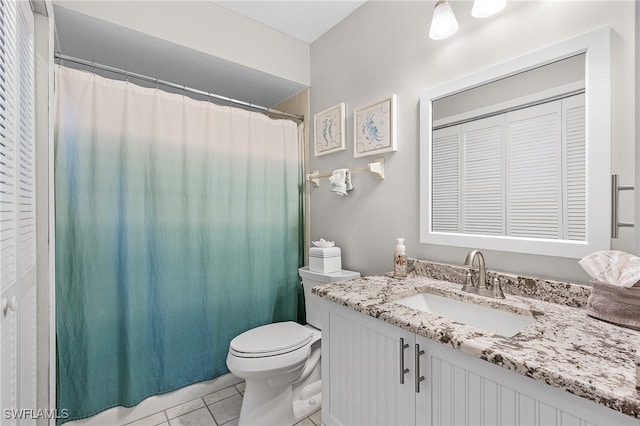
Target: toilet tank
column 311, row 279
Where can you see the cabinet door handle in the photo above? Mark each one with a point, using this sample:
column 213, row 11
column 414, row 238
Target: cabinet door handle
column 419, row 378
column 403, row 370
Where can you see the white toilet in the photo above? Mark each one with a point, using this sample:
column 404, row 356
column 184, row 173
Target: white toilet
column 280, row 362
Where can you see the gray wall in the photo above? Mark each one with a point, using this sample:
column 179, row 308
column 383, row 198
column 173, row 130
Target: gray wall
column 383, row 48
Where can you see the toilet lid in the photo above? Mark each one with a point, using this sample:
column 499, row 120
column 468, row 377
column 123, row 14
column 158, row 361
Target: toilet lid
column 271, row 339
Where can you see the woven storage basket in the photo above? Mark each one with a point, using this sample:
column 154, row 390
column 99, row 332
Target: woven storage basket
column 614, row 304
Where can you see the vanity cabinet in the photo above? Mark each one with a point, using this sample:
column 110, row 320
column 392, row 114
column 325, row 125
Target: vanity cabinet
column 361, row 361
column 361, row 368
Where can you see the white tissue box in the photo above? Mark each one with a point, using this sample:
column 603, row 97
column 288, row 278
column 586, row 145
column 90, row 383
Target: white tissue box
column 325, row 260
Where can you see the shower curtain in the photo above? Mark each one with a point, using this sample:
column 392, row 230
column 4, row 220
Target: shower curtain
column 178, row 226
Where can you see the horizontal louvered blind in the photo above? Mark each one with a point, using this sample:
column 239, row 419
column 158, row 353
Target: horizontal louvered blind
column 445, row 179
column 574, row 140
column 534, row 176
column 26, row 155
column 8, row 152
column 483, row 181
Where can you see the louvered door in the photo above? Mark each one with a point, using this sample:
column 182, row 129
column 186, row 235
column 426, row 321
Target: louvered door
column 9, row 210
column 519, row 174
column 483, row 176
column 574, row 155
column 534, row 177
column 18, row 336
column 445, row 185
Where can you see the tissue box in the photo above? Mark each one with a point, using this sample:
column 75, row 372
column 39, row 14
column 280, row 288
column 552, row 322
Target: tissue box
column 614, row 304
column 325, row 260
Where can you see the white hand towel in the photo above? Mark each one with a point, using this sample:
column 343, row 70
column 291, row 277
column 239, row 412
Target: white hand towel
column 613, row 267
column 340, row 182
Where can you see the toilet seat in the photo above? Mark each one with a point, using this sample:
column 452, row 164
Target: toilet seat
column 271, row 340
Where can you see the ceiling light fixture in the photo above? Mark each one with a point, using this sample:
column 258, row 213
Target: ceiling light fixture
column 443, row 23
column 484, row 8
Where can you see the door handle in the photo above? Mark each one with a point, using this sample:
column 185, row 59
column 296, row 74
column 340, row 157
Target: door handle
column 419, row 378
column 403, row 370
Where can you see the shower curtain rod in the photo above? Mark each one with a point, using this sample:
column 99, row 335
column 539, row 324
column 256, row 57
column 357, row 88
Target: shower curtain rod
column 182, row 87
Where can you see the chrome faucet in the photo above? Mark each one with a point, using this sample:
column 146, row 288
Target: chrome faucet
column 494, row 290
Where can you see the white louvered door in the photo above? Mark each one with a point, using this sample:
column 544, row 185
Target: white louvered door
column 519, row 174
column 483, row 176
column 445, row 185
column 534, row 176
column 18, row 336
column 27, row 302
column 9, row 211
column 574, row 155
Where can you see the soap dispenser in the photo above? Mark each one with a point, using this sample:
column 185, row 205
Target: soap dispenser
column 400, row 260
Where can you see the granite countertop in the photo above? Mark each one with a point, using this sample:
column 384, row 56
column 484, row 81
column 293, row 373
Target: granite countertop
column 564, row 347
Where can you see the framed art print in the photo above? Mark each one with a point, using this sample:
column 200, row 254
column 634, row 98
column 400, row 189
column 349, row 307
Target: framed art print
column 329, row 130
column 375, row 128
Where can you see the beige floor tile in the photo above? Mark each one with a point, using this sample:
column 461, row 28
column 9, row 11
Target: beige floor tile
column 305, row 422
column 241, row 387
column 220, row 395
column 227, row 409
column 152, row 420
column 185, row 408
column 199, row 417
column 316, row 418
column 233, row 422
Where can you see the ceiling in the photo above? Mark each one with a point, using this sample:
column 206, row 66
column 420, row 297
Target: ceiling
column 102, row 42
column 305, row 20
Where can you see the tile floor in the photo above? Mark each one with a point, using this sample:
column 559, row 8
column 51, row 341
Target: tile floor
column 216, row 409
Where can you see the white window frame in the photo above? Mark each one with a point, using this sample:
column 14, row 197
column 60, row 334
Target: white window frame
column 597, row 47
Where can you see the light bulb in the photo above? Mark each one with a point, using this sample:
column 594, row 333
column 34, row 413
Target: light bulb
column 484, row 8
column 443, row 23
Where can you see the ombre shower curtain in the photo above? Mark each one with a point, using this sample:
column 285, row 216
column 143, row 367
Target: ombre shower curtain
column 178, row 226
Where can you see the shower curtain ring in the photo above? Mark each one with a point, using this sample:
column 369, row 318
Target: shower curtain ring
column 157, row 85
column 93, row 67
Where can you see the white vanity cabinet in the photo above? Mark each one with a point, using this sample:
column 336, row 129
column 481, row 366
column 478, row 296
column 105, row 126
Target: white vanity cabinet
column 361, row 364
column 361, row 370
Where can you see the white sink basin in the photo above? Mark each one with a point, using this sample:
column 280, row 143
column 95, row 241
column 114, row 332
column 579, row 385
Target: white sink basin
column 491, row 320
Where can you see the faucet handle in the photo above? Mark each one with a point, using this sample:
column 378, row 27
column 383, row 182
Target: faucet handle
column 496, row 288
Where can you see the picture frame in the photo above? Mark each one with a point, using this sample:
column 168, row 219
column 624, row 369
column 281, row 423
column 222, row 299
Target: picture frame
column 375, row 128
column 329, row 130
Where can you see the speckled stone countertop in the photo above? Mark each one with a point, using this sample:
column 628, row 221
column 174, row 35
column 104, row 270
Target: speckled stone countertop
column 563, row 348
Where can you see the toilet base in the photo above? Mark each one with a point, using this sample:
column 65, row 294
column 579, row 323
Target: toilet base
column 264, row 404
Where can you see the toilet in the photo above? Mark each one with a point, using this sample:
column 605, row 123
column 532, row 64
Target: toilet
column 280, row 362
